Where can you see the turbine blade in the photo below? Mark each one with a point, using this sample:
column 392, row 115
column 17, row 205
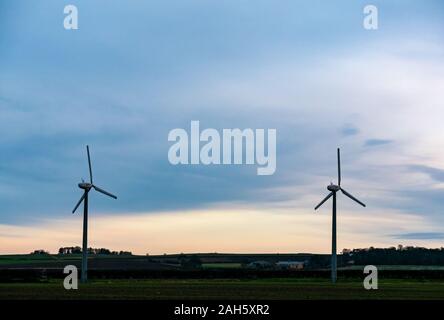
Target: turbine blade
column 325, row 199
column 89, row 164
column 104, row 192
column 351, row 197
column 339, row 167
column 78, row 203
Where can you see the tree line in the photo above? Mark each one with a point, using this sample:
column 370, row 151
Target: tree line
column 93, row 251
column 400, row 255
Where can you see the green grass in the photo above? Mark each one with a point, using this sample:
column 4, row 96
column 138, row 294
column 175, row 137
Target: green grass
column 274, row 289
column 25, row 259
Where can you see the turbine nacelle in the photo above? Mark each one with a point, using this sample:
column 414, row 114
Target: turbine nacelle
column 85, row 186
column 334, row 188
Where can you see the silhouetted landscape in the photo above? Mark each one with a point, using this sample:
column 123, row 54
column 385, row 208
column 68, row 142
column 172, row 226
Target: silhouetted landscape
column 402, row 272
column 393, row 258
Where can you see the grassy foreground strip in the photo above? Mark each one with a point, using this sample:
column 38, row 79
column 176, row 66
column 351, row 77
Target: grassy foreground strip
column 304, row 289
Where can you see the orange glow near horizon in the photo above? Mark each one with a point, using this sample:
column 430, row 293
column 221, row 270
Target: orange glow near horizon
column 234, row 231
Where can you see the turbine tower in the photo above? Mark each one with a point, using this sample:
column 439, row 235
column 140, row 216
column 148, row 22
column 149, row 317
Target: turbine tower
column 86, row 188
column 333, row 189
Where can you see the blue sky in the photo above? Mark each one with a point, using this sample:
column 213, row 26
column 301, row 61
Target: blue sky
column 135, row 70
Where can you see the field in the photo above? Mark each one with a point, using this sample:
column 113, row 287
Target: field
column 221, row 277
column 102, row 262
column 273, row 289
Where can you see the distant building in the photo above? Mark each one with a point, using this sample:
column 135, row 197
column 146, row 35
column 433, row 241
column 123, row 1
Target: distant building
column 290, row 265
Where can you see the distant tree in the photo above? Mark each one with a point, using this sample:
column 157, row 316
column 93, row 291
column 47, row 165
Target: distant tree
column 40, row 251
column 92, row 251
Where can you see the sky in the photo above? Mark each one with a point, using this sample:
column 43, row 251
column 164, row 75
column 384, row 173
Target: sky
column 135, row 70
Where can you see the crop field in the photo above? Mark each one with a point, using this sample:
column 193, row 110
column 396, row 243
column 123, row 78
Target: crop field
column 273, row 289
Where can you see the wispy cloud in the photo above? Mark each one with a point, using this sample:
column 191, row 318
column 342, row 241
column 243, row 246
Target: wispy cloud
column 420, row 235
column 434, row 173
column 349, row 130
column 376, row 142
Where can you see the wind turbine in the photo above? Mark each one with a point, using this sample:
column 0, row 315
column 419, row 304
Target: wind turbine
column 87, row 187
column 333, row 189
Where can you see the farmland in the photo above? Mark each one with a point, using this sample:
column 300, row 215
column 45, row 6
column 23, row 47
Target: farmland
column 273, row 289
column 221, row 276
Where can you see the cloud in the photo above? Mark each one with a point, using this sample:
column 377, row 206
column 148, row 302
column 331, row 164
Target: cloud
column 376, row 142
column 434, row 173
column 129, row 138
column 420, row 235
column 349, row 130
